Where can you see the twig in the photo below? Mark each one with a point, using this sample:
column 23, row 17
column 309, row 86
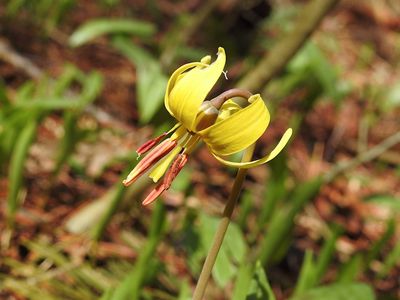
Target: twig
column 275, row 60
column 363, row 157
column 11, row 56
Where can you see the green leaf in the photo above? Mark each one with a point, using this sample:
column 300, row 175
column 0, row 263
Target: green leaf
column 306, row 277
column 283, row 221
column 95, row 28
column 259, row 287
column 151, row 82
column 392, row 100
column 20, row 152
column 350, row 270
column 4, row 101
column 391, row 260
column 389, row 201
column 235, row 243
column 243, row 281
column 232, row 251
column 223, row 269
column 354, row 291
column 151, row 87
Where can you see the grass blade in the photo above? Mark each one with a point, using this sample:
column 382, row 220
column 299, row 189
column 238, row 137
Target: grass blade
column 24, row 141
column 95, row 28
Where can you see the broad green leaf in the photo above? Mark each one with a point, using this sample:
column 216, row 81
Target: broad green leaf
column 232, row 251
column 223, row 269
column 243, row 281
column 95, row 28
column 235, row 243
column 354, row 291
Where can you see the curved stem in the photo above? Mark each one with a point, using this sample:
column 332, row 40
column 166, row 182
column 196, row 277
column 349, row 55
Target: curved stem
column 222, row 228
column 220, row 99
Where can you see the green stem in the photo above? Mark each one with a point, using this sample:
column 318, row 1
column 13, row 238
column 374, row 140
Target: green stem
column 222, row 228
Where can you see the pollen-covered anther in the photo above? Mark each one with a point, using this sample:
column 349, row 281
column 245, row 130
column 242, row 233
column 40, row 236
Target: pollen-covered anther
column 175, row 168
column 154, row 194
column 173, row 171
column 155, row 155
column 150, row 144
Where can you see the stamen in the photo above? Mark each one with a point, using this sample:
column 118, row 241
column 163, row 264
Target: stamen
column 150, row 144
column 155, row 155
column 173, row 171
column 154, row 194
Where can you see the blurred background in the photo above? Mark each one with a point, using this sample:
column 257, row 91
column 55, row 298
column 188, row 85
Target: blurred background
column 82, row 86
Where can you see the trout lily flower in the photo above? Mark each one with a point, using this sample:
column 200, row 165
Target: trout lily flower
column 225, row 126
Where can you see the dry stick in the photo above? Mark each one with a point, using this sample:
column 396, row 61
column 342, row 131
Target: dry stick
column 366, row 156
column 8, row 54
column 274, row 61
column 222, row 227
column 270, row 65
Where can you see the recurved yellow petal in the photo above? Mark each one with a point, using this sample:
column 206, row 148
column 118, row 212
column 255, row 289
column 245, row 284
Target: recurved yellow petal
column 239, row 130
column 185, row 93
column 175, row 77
column 282, row 143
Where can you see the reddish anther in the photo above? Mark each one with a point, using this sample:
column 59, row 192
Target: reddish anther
column 175, row 168
column 173, row 171
column 154, row 194
column 154, row 156
column 150, row 144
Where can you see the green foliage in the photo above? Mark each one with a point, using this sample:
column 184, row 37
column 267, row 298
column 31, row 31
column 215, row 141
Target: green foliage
column 98, row 27
column 20, row 152
column 354, row 291
column 311, row 68
column 313, row 271
column 350, row 270
column 282, row 224
column 130, row 287
column 389, row 201
column 232, row 251
column 151, row 82
column 45, row 12
column 259, row 286
column 20, row 119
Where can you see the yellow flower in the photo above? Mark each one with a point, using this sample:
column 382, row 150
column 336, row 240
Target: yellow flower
column 225, row 126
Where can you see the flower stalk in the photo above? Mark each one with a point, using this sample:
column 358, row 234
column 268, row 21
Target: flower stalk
column 222, row 228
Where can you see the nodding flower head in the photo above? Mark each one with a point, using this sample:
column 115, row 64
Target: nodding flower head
column 225, row 126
